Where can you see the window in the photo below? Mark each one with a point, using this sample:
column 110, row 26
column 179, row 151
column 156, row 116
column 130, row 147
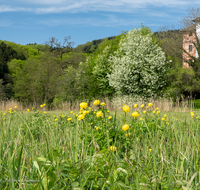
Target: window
column 190, row 33
column 190, row 48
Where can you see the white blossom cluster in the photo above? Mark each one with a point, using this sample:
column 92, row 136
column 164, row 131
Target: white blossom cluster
column 139, row 66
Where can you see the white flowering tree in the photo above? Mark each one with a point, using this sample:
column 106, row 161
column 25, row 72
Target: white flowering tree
column 138, row 66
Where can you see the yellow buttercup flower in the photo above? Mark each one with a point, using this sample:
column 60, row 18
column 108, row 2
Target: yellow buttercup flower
column 135, row 106
column 99, row 114
column 103, row 104
column 44, row 105
column 83, row 105
column 154, row 111
column 145, row 111
column 135, row 114
column 15, row 107
column 142, row 106
column 80, row 117
column 45, row 112
column 125, row 127
column 96, row 102
column 150, row 150
column 128, row 134
column 41, row 106
column 71, row 112
column 165, row 115
column 84, row 112
column 56, row 120
column 110, row 117
column 163, row 119
column 97, row 128
column 140, row 119
column 150, row 104
column 113, row 148
column 28, row 110
column 157, row 108
column 158, row 111
column 69, row 119
column 192, row 114
column 125, row 108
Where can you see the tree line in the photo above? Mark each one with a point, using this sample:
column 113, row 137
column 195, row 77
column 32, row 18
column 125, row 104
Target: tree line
column 137, row 63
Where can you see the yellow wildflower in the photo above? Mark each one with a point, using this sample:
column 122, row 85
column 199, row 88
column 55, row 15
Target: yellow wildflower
column 99, row 114
column 103, row 104
column 163, row 119
column 83, row 105
column 142, row 106
column 69, row 119
column 96, row 102
column 125, row 108
column 150, row 104
column 110, row 117
column 145, row 111
column 135, row 114
column 125, row 127
column 140, row 119
column 128, row 134
column 28, row 110
column 158, row 111
column 15, row 107
column 56, row 120
column 80, row 117
column 135, row 106
column 113, row 148
column 192, row 114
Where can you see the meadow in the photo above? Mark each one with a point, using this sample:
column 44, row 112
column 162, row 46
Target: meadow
column 142, row 148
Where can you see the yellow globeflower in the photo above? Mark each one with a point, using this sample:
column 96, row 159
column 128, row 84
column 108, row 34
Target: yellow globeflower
column 44, row 105
column 158, row 111
column 125, row 127
column 125, row 108
column 157, row 108
column 113, row 148
column 154, row 111
column 135, row 114
column 165, row 115
column 56, row 120
column 103, row 104
column 28, row 110
column 150, row 104
column 142, row 105
column 163, row 119
column 84, row 112
column 150, row 150
column 128, row 134
column 41, row 106
column 96, row 102
column 145, row 111
column 135, row 106
column 15, row 107
column 192, row 114
column 110, row 117
column 71, row 112
column 69, row 119
column 45, row 112
column 97, row 128
column 80, row 117
column 99, row 114
column 140, row 119
column 83, row 105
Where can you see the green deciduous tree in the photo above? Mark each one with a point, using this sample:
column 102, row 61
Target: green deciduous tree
column 139, row 66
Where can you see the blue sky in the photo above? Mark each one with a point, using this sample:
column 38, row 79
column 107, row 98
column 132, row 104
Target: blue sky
column 35, row 21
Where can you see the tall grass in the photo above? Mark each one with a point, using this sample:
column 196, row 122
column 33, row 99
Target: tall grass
column 180, row 105
column 40, row 151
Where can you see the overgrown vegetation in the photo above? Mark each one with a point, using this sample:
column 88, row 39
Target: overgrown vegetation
column 99, row 149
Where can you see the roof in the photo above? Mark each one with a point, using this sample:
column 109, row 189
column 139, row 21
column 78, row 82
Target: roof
column 189, row 29
column 196, row 19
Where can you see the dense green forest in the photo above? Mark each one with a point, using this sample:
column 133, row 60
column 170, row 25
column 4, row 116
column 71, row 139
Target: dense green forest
column 56, row 72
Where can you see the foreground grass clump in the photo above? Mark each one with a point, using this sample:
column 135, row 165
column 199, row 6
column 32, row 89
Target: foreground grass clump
column 97, row 149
